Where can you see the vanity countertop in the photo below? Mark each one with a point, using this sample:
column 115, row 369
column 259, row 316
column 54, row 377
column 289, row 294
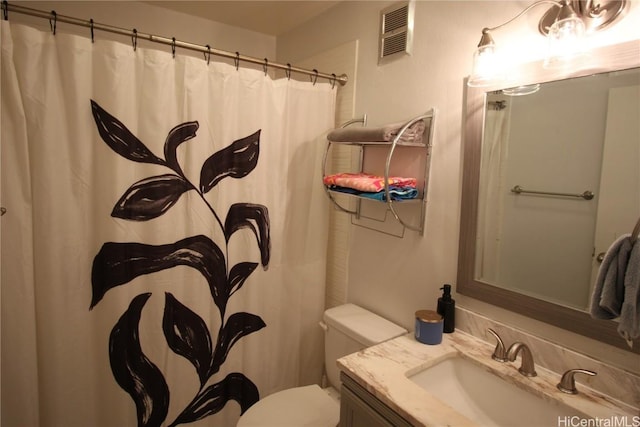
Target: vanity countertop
column 383, row 371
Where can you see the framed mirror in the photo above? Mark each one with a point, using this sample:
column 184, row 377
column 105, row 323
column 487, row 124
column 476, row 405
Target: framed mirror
column 547, row 187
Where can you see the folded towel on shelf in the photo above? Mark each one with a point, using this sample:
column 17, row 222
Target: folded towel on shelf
column 608, row 292
column 395, row 193
column 387, row 133
column 629, row 326
column 366, row 182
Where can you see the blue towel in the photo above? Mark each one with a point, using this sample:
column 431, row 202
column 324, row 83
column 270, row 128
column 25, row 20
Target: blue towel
column 608, row 292
column 396, row 193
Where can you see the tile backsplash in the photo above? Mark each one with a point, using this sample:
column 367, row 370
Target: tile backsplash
column 612, row 381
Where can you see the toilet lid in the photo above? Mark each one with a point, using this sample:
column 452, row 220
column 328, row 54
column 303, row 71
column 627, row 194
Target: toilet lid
column 294, row 407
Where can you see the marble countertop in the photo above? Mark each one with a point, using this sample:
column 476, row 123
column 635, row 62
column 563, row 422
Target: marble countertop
column 383, row 370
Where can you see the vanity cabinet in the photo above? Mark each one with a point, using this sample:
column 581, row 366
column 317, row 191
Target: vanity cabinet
column 359, row 408
column 398, row 157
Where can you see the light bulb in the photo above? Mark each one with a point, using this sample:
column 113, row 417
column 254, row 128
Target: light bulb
column 566, row 38
column 486, row 66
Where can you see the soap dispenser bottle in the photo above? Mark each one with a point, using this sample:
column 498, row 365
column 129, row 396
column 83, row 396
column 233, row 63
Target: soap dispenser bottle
column 446, row 309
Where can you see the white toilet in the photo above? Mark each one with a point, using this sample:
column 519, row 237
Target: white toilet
column 348, row 328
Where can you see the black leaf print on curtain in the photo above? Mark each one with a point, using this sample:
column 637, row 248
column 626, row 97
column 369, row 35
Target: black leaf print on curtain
column 236, row 161
column 238, row 325
column 188, row 336
column 178, row 135
column 151, row 197
column 235, row 386
column 254, row 217
column 239, row 274
column 119, row 263
column 136, row 374
column 120, row 139
column 186, row 333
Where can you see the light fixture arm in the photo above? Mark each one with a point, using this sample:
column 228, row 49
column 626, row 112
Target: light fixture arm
column 528, row 8
column 486, row 39
column 592, row 10
column 596, row 14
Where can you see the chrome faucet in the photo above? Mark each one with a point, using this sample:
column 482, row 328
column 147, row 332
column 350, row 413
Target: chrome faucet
column 527, row 367
column 499, row 353
column 567, row 383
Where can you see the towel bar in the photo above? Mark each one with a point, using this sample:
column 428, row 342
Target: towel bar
column 587, row 195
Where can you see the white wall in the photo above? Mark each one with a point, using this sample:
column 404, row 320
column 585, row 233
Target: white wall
column 395, row 277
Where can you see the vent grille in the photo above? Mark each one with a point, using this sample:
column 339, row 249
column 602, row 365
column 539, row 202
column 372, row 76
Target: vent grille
column 394, row 44
column 396, row 31
column 396, row 19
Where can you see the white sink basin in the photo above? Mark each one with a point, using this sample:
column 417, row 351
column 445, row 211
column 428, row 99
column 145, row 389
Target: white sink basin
column 486, row 398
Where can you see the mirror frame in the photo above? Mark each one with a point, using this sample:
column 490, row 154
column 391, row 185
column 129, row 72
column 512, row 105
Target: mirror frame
column 604, row 59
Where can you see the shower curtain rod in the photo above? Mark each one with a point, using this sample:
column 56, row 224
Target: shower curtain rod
column 54, row 18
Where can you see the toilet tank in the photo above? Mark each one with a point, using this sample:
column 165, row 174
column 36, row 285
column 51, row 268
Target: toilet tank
column 351, row 328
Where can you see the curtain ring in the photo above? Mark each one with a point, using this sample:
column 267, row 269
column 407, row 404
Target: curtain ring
column 173, row 46
column 333, row 80
column 3, row 211
column 53, row 24
column 315, row 77
column 5, row 10
column 134, row 39
column 207, row 54
column 236, row 60
column 288, row 71
column 91, row 26
column 264, row 67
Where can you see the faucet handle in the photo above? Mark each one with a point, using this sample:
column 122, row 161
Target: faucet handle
column 499, row 353
column 568, row 384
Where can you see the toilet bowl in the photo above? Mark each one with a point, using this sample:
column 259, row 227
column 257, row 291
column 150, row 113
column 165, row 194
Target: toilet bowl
column 348, row 328
column 301, row 406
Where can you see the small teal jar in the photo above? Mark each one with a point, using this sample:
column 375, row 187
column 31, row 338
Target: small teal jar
column 429, row 326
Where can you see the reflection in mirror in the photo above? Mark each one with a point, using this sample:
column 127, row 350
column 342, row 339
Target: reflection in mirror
column 559, row 182
column 572, row 133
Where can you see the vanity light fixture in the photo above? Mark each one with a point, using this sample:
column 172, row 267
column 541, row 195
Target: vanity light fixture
column 565, row 24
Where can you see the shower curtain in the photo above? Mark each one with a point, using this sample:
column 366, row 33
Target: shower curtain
column 491, row 193
column 163, row 247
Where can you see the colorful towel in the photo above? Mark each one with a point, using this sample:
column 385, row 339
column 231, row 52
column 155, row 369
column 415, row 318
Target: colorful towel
column 366, row 182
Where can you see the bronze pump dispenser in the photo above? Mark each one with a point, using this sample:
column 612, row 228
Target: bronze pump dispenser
column 447, row 309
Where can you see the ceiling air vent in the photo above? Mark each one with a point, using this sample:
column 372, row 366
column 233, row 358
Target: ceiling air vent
column 396, row 31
